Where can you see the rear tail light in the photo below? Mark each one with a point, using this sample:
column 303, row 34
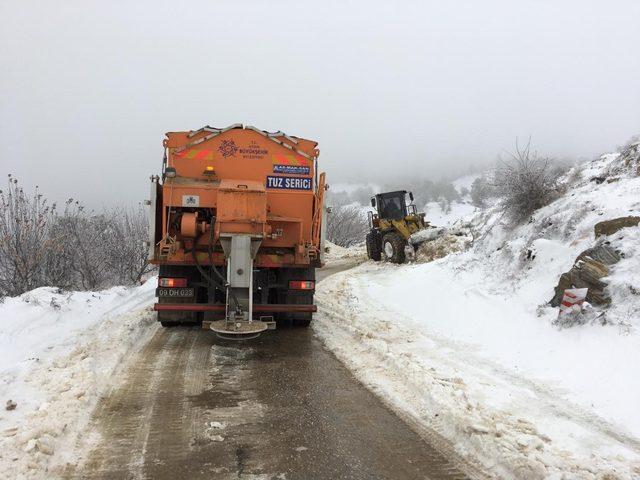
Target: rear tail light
column 172, row 282
column 302, row 285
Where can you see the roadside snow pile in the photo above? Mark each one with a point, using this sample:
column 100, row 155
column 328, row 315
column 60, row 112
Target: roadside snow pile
column 441, row 247
column 336, row 253
column 466, row 347
column 434, row 243
column 58, row 352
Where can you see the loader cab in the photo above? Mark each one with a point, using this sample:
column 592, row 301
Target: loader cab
column 392, row 205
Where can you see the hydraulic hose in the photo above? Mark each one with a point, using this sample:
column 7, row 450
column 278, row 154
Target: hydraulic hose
column 209, row 279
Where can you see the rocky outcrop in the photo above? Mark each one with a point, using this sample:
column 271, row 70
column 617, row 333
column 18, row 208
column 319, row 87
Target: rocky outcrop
column 588, row 270
column 609, row 227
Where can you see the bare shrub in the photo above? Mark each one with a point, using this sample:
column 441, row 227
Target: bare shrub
column 525, row 183
column 83, row 246
column 24, row 239
column 346, row 225
column 124, row 248
column 73, row 249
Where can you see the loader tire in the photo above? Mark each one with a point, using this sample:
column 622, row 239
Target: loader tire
column 393, row 247
column 374, row 250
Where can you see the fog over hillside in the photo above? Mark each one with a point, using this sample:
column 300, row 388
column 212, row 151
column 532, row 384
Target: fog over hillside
column 390, row 89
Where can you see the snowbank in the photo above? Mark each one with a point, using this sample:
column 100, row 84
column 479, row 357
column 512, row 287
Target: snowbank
column 465, row 346
column 58, row 352
column 337, row 254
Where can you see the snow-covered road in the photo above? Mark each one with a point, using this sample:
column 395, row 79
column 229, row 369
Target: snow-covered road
column 59, row 353
column 460, row 363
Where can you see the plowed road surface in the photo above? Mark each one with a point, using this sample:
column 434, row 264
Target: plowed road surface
column 279, row 407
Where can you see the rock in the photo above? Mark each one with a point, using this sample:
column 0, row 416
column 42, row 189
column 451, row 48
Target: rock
column 609, row 227
column 587, row 272
column 602, row 253
column 10, row 405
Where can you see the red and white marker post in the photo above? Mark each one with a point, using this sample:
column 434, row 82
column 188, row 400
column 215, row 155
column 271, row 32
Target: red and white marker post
column 572, row 301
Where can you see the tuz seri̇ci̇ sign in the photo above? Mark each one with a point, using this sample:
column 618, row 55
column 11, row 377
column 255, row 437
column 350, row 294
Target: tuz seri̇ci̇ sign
column 288, row 183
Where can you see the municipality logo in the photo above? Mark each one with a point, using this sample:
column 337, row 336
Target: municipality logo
column 228, row 148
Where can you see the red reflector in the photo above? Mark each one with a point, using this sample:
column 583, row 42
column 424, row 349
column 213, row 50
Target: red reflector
column 172, row 282
column 301, row 285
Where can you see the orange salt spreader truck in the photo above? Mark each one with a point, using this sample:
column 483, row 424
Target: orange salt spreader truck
column 236, row 227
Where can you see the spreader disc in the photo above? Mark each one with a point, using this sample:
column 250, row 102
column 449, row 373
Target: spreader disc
column 238, row 330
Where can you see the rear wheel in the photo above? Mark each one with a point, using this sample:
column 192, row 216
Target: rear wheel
column 167, row 324
column 393, row 247
column 372, row 240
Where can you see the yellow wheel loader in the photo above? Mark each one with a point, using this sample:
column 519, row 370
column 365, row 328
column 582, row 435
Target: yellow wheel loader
column 392, row 225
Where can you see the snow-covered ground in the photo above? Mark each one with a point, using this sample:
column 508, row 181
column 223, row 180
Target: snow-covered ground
column 466, row 348
column 459, row 211
column 58, row 354
column 337, row 255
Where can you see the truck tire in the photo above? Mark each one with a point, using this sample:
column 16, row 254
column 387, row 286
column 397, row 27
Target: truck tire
column 167, row 324
column 393, row 247
column 374, row 249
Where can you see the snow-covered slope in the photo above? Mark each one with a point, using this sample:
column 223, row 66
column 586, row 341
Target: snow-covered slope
column 466, row 346
column 58, row 353
column 459, row 211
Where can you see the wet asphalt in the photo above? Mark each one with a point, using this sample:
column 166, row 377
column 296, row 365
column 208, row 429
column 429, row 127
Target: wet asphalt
column 278, row 407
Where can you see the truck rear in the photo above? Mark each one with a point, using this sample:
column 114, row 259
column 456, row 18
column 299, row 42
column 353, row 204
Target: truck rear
column 236, row 227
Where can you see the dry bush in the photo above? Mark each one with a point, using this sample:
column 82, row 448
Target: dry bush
column 73, row 249
column 24, row 239
column 525, row 183
column 347, row 225
column 124, row 247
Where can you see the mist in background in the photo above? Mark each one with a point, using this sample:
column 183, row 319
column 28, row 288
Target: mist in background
column 419, row 89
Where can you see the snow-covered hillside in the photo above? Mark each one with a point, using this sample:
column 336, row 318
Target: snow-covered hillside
column 466, row 346
column 458, row 211
column 58, row 353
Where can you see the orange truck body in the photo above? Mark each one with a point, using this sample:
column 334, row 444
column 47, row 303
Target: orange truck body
column 237, row 181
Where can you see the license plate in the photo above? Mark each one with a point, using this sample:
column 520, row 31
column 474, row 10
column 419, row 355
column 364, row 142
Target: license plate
column 174, row 292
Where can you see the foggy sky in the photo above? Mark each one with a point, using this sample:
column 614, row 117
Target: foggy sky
column 88, row 89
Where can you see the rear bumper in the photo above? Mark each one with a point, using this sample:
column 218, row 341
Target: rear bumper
column 260, row 308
